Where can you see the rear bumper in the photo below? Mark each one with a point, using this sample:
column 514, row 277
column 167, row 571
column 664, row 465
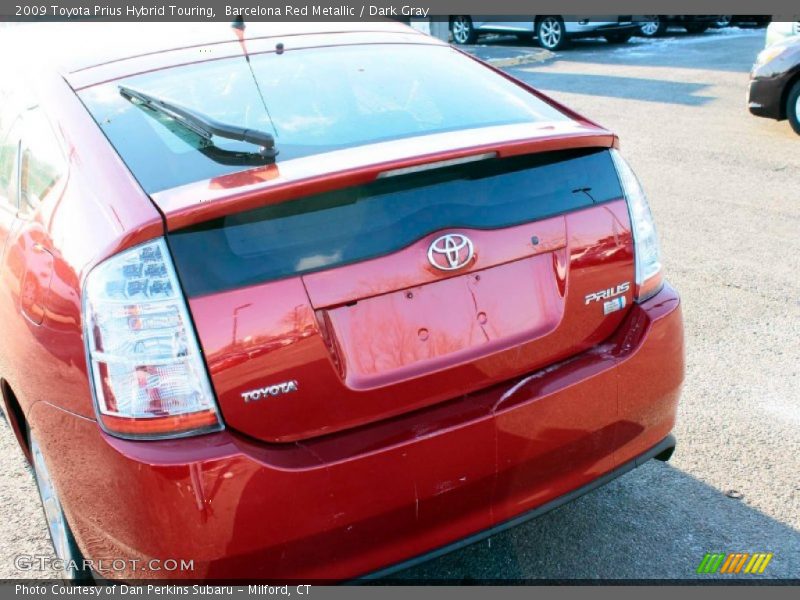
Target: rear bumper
column 354, row 503
column 577, row 30
column 661, row 451
column 764, row 97
column 708, row 19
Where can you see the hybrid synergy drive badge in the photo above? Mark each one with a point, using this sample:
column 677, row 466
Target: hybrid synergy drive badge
column 613, row 305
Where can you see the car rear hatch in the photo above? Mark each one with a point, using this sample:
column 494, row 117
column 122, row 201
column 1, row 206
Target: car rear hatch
column 330, row 303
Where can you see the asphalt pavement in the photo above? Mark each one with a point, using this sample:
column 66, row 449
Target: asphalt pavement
column 725, row 191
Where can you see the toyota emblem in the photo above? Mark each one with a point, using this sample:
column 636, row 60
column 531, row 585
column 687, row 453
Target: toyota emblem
column 450, row 252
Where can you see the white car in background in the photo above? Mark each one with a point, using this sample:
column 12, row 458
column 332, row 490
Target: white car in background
column 553, row 31
column 780, row 30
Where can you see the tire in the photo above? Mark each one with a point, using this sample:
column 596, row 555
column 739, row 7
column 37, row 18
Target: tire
column 793, row 107
column 652, row 26
column 551, row 33
column 618, row 38
column 723, row 21
column 462, row 30
column 696, row 27
column 60, row 533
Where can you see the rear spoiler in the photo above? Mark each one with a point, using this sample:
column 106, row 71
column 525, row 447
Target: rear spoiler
column 283, row 181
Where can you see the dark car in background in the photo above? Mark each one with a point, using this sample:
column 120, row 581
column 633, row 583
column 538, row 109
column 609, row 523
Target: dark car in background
column 656, row 25
column 774, row 90
column 731, row 20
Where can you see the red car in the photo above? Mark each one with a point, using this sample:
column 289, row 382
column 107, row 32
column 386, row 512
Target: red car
column 311, row 302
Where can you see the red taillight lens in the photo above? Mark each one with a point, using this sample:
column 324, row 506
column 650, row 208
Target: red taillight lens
column 146, row 365
column 162, row 426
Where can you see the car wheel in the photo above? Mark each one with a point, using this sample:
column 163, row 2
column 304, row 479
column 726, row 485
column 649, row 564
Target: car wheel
column 617, row 38
column 652, row 26
column 696, row 27
column 723, row 21
column 793, row 107
column 462, row 30
column 60, row 532
column 551, row 34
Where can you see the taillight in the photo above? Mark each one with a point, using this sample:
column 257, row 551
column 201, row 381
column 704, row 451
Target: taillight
column 649, row 278
column 146, row 366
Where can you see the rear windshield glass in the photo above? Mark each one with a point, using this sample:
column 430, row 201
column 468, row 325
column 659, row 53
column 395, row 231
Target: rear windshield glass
column 311, row 100
column 354, row 224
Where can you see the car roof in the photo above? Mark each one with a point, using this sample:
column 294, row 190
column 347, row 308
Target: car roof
column 72, row 48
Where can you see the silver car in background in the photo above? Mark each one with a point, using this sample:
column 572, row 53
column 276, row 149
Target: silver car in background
column 780, row 30
column 552, row 31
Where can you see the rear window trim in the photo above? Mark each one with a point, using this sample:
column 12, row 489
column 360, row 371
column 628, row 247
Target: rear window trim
column 79, row 78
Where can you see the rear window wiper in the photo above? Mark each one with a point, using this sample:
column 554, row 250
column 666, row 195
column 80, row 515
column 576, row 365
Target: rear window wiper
column 207, row 127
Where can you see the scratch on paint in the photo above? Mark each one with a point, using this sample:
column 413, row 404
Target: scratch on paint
column 197, row 484
column 527, row 380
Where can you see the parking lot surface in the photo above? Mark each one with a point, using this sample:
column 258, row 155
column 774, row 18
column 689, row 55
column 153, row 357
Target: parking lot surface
column 725, row 191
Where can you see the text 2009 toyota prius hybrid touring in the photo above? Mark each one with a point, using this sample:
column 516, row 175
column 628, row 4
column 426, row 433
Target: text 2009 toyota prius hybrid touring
column 310, row 302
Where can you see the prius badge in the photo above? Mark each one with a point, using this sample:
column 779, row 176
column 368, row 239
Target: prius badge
column 451, row 252
column 278, row 389
column 614, row 298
